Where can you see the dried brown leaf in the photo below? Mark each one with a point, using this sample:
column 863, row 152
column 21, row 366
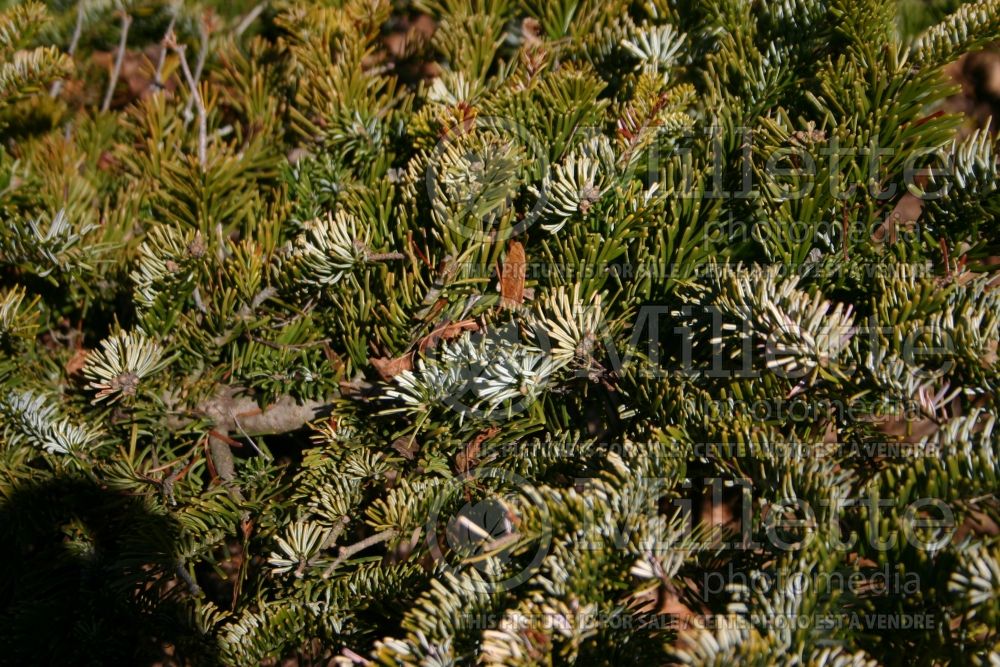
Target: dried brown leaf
column 77, row 361
column 512, row 276
column 389, row 368
column 447, row 331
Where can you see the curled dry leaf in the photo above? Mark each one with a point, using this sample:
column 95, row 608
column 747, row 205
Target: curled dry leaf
column 467, row 459
column 446, row 331
column 389, row 368
column 407, row 447
column 77, row 361
column 903, row 216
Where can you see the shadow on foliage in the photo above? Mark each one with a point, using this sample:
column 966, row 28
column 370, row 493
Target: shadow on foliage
column 87, row 577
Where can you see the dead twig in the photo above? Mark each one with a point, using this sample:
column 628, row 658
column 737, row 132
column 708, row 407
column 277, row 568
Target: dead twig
column 250, row 18
column 283, row 416
column 162, row 60
column 348, row 551
column 199, row 66
column 119, row 59
column 74, row 41
column 198, row 102
column 186, row 577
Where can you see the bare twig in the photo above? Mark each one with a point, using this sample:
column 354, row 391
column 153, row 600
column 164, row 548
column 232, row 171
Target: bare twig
column 199, row 65
column 384, row 256
column 119, row 59
column 73, row 42
column 162, row 60
column 198, row 102
column 372, row 256
column 188, row 579
column 348, row 551
column 167, row 485
column 199, row 302
column 288, row 346
column 473, row 527
column 225, row 467
column 283, row 416
column 250, row 18
column 335, row 532
column 230, row 409
column 253, row 443
column 222, row 241
column 205, row 33
column 491, row 548
column 354, row 657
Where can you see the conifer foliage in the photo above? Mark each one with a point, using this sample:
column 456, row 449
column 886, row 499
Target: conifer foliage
column 503, row 332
